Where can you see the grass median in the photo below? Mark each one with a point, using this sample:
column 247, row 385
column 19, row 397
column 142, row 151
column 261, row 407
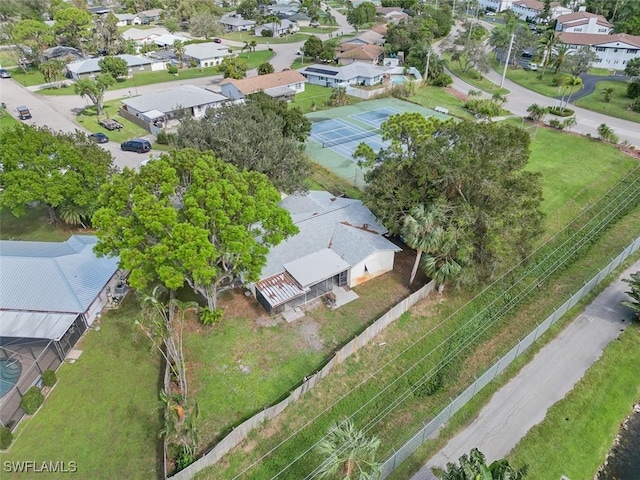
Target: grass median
column 617, row 107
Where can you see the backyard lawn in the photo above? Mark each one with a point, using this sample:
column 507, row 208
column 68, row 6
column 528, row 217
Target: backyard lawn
column 582, row 426
column 617, row 107
column 104, row 411
column 313, row 94
column 248, row 37
column 33, row 225
column 88, row 118
column 318, row 30
column 32, row 77
column 448, row 98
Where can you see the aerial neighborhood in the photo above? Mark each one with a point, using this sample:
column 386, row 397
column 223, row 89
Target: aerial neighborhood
column 339, row 239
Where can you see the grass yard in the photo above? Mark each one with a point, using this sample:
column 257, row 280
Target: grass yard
column 535, row 81
column 603, row 72
column 32, row 77
column 325, row 179
column 432, row 97
column 617, row 107
column 312, row 94
column 582, row 426
column 104, row 411
column 248, row 37
column 8, row 58
column 319, row 30
column 6, row 120
column 88, row 118
column 474, row 79
column 278, row 354
column 300, row 62
column 33, row 225
column 571, row 179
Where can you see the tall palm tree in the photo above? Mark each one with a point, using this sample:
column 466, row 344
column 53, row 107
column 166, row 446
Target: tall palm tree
column 422, row 231
column 474, row 467
column 178, row 49
column 348, row 453
column 536, row 112
column 560, row 55
column 572, row 83
column 548, row 42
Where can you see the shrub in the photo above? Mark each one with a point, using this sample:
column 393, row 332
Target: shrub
column 210, row 316
column 172, row 69
column 635, row 106
column 31, row 400
column 633, row 89
column 49, row 378
column 6, row 437
column 266, row 33
column 164, row 138
column 555, row 123
column 560, row 112
column 483, row 107
column 442, row 80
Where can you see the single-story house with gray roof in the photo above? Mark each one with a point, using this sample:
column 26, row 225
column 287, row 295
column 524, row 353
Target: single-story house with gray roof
column 237, row 24
column 90, row 67
column 168, row 103
column 125, row 19
column 339, row 244
column 354, row 73
column 51, row 293
column 207, row 54
column 282, row 28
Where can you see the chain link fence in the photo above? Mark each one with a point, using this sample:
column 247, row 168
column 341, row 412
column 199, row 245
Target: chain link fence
column 461, row 400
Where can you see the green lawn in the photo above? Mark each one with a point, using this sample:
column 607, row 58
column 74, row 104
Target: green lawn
column 617, row 107
column 571, row 179
column 604, row 72
column 474, row 79
column 534, row 81
column 313, row 94
column 248, row 37
column 301, row 61
column 33, row 225
column 319, row 30
column 104, row 411
column 581, row 427
column 32, row 77
column 88, row 118
column 432, row 97
column 7, row 58
column 6, row 120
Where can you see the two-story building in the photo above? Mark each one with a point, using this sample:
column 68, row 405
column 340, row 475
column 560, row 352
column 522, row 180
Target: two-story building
column 531, row 10
column 583, row 22
column 613, row 51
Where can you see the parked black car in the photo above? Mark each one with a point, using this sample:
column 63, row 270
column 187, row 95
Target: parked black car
column 99, row 137
column 23, row 112
column 136, row 145
column 110, row 124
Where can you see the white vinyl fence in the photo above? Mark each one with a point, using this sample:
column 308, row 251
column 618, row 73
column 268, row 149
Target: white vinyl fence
column 461, row 400
column 240, row 432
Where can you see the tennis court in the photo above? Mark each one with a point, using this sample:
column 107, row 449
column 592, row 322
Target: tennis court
column 337, row 132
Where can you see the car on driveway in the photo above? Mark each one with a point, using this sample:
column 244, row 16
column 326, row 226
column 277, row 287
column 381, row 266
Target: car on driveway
column 99, row 137
column 4, row 73
column 533, row 67
column 136, row 145
column 217, row 40
column 110, row 124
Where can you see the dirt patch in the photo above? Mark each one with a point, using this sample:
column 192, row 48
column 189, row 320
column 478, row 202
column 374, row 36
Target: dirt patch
column 237, row 304
column 455, row 93
column 308, row 331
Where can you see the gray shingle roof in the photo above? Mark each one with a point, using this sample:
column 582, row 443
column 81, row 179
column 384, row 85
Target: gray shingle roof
column 52, row 277
column 184, row 96
column 203, row 51
column 345, row 73
column 343, row 225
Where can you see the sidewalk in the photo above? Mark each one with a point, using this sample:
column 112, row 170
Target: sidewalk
column 524, row 401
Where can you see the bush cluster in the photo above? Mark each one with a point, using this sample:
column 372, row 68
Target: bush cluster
column 560, row 112
column 31, row 400
column 6, row 437
column 49, row 378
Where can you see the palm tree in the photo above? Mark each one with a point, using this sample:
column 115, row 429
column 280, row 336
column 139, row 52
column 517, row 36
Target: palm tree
column 634, row 293
column 548, row 42
column 252, row 45
column 422, row 231
column 607, row 93
column 536, row 112
column 606, row 133
column 474, row 467
column 560, row 55
column 178, row 49
column 572, row 82
column 498, row 98
column 339, row 97
column 348, row 453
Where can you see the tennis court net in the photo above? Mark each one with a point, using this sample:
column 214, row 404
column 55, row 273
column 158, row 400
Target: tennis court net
column 350, row 138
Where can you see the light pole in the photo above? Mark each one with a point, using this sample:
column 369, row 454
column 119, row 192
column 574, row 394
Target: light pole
column 506, row 63
column 426, row 72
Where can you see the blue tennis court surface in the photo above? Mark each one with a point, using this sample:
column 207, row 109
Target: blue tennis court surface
column 344, row 137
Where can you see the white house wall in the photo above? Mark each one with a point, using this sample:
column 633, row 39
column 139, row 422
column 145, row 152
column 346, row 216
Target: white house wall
column 358, row 273
column 158, row 66
column 614, row 56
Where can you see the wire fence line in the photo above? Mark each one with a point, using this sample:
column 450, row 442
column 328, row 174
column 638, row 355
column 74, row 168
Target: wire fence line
column 240, row 432
column 428, row 430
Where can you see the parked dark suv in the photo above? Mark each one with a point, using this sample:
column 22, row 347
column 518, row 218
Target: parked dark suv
column 136, row 145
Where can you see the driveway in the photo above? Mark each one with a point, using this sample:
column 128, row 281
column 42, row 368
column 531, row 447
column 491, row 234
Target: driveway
column 58, row 115
column 523, row 402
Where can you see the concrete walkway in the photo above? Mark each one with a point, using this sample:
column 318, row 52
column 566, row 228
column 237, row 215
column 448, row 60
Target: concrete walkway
column 553, row 372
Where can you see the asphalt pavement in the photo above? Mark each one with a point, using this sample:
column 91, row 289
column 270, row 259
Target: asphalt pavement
column 523, row 402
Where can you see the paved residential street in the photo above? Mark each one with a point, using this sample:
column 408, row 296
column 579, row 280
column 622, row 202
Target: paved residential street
column 524, row 401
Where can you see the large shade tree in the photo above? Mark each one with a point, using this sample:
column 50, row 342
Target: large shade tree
column 634, row 293
column 94, row 89
column 62, row 171
column 474, row 467
column 190, row 218
column 263, row 135
column 475, row 171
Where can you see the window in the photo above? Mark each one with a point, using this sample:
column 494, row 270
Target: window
column 632, row 50
column 141, row 68
column 600, row 30
column 600, row 49
column 577, row 29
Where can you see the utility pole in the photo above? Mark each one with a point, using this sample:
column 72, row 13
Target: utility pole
column 426, row 72
column 506, row 63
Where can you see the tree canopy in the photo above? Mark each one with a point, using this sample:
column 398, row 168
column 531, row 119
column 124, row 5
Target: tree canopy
column 75, row 25
column 262, row 135
column 190, row 218
column 474, row 466
column 475, row 172
column 94, row 89
column 62, row 171
column 233, row 67
column 114, row 66
column 363, row 13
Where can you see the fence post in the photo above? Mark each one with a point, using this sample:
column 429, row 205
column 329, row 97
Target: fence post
column 450, row 407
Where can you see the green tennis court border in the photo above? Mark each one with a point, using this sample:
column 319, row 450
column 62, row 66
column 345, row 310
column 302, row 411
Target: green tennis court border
column 347, row 167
